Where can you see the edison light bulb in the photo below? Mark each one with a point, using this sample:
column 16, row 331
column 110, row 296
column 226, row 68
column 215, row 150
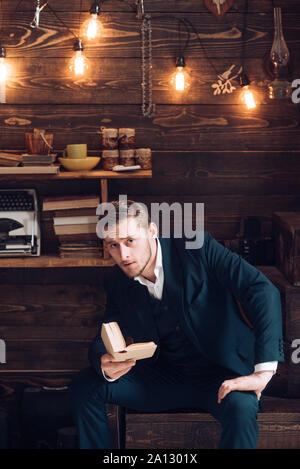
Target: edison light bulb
column 79, row 63
column 3, row 66
column 93, row 27
column 248, row 97
column 3, row 70
column 180, row 79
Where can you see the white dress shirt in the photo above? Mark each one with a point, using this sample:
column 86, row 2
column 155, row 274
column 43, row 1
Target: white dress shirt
column 156, row 289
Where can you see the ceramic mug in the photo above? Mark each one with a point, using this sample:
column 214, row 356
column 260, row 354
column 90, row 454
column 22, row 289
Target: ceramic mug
column 76, row 151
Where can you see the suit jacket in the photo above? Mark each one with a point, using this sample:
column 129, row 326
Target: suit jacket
column 204, row 285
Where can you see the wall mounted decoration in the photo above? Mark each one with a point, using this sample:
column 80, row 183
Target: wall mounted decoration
column 219, row 7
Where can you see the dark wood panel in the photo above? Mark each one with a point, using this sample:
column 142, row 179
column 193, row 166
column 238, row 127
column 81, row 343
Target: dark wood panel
column 52, row 295
column 152, row 5
column 46, row 355
column 121, row 36
column 44, row 332
column 269, row 127
column 116, row 81
column 45, row 276
column 231, row 205
column 248, row 173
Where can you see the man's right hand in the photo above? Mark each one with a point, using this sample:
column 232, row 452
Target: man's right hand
column 114, row 369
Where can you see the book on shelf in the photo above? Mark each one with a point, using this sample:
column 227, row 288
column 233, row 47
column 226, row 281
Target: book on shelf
column 70, row 201
column 29, row 170
column 9, row 159
column 75, row 229
column 69, row 212
column 79, row 237
column 82, row 220
column 116, row 346
column 38, row 160
column 79, row 254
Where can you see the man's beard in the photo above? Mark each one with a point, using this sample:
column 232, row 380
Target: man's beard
column 148, row 256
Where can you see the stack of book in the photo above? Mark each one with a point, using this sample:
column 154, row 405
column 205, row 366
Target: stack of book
column 38, row 160
column 10, row 159
column 74, row 222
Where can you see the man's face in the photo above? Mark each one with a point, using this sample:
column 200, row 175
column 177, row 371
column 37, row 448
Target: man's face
column 130, row 246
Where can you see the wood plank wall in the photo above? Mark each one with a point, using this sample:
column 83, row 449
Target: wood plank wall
column 205, row 148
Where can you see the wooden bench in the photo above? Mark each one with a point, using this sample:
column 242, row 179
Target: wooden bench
column 279, row 427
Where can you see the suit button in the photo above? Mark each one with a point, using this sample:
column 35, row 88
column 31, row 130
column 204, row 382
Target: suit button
column 177, row 328
column 166, row 308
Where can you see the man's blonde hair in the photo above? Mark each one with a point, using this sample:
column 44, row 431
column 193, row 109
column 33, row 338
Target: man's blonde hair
column 118, row 210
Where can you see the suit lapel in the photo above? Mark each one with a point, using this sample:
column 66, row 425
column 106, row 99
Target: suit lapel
column 173, row 275
column 138, row 295
column 141, row 317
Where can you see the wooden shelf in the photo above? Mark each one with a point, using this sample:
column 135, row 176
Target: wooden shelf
column 56, row 261
column 96, row 174
column 52, row 261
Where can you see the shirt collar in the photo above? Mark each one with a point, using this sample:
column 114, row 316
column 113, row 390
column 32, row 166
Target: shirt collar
column 158, row 264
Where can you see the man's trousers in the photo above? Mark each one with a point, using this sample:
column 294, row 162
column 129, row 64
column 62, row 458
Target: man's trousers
column 155, row 388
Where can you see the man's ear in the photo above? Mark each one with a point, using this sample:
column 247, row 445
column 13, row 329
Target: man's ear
column 153, row 229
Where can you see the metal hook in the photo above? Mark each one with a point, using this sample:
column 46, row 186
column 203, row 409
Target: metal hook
column 140, row 9
column 36, row 19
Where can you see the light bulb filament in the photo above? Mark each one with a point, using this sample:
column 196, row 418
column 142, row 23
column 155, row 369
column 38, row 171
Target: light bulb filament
column 179, row 79
column 93, row 27
column 3, row 70
column 248, row 98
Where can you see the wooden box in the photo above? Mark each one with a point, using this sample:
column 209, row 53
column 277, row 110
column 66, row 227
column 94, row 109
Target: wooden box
column 289, row 381
column 286, row 227
column 278, row 428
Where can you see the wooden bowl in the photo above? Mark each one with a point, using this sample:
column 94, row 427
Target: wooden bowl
column 82, row 164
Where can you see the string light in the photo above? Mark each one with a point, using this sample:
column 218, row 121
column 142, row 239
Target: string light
column 3, row 66
column 247, row 95
column 92, row 28
column 79, row 63
column 3, row 75
column 180, row 80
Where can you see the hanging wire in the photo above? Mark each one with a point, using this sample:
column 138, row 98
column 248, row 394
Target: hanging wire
column 187, row 41
column 61, row 21
column 10, row 14
column 244, row 34
column 80, row 9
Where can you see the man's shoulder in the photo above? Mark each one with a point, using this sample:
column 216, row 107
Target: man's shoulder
column 113, row 276
column 198, row 240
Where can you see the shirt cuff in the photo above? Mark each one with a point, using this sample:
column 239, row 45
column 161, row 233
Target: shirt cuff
column 108, row 379
column 266, row 366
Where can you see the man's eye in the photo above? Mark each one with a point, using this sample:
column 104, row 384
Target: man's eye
column 112, row 246
column 130, row 241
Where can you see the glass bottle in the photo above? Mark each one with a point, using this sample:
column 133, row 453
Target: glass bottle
column 279, row 88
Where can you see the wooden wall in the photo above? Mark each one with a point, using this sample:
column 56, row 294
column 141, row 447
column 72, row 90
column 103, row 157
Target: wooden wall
column 205, row 148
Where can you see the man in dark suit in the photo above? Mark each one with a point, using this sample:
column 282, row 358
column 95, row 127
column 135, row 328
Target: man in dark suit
column 185, row 300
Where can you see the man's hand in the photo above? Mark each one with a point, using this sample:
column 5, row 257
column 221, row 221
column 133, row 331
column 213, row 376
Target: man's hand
column 114, row 369
column 255, row 382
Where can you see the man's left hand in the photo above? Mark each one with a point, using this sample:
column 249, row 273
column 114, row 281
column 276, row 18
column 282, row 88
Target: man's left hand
column 255, row 382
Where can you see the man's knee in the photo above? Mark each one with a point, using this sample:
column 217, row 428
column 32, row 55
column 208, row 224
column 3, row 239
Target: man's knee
column 83, row 387
column 241, row 406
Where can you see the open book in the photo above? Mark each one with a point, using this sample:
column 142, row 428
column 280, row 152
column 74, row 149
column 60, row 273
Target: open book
column 116, row 346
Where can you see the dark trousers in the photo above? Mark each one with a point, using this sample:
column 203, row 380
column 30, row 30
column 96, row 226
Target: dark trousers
column 155, row 388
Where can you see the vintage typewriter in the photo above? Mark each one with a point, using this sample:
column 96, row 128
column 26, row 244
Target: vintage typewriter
column 19, row 223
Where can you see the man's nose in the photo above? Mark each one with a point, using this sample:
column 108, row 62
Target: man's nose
column 124, row 252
